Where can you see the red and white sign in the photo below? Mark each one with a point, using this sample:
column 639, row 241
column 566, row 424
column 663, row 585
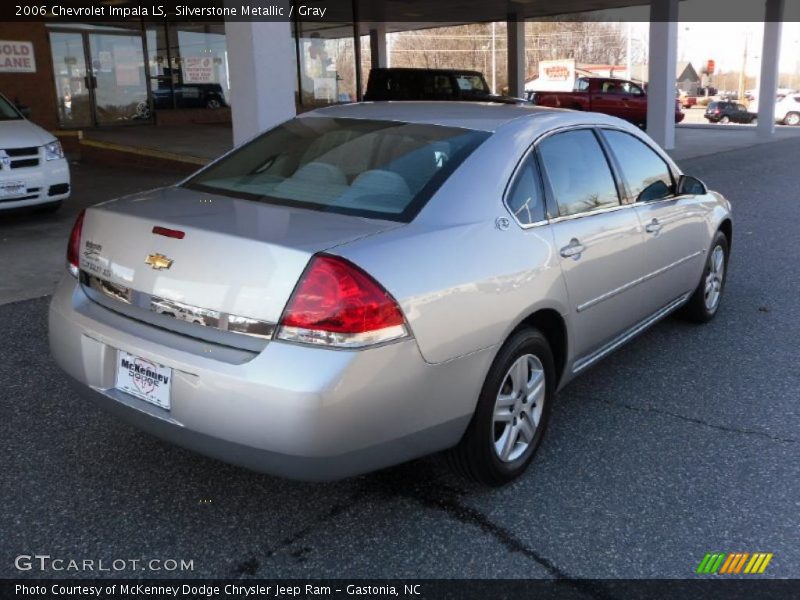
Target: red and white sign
column 554, row 75
column 198, row 69
column 17, row 57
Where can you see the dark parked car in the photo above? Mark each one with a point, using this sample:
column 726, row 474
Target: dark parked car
column 728, row 112
column 431, row 84
column 190, row 95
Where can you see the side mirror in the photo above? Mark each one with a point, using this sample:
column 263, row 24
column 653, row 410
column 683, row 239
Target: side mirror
column 655, row 191
column 691, row 186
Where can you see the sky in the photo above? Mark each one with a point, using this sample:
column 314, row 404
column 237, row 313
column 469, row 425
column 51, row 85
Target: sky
column 724, row 43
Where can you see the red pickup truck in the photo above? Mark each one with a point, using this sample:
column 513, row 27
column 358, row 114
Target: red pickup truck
column 618, row 97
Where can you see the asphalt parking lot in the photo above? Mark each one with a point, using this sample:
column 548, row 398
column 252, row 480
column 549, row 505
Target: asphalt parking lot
column 684, row 442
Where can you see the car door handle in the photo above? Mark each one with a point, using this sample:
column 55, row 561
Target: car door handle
column 653, row 226
column 573, row 250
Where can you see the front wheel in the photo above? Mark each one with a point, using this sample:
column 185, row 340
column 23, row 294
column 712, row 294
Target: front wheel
column 725, row 120
column 512, row 412
column 705, row 301
column 792, row 119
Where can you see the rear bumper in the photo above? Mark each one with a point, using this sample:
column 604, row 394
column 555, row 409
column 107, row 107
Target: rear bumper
column 290, row 410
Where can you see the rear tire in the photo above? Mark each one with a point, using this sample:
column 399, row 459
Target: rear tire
column 704, row 302
column 725, row 120
column 512, row 412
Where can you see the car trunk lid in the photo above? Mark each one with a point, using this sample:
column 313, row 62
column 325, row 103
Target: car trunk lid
column 230, row 257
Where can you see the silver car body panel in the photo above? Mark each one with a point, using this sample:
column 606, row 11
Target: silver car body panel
column 464, row 272
column 315, row 423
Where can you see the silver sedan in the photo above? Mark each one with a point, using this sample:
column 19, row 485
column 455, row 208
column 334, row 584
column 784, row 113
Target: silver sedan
column 370, row 283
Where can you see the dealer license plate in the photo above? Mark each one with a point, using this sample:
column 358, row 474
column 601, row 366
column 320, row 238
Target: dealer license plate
column 144, row 379
column 13, row 188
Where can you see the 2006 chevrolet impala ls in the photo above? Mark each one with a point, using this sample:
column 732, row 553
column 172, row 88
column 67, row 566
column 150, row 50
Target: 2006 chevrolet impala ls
column 370, row 283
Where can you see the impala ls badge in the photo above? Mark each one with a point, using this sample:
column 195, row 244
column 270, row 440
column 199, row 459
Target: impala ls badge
column 159, row 262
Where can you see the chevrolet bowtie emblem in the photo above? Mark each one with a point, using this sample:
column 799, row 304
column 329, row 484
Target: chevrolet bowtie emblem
column 159, row 262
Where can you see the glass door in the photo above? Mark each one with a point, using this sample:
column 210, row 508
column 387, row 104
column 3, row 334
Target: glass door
column 73, row 87
column 119, row 78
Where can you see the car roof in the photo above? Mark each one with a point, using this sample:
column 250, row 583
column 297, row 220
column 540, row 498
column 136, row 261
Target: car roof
column 423, row 70
column 481, row 116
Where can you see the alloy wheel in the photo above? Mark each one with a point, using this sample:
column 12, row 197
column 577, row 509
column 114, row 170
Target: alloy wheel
column 716, row 273
column 518, row 408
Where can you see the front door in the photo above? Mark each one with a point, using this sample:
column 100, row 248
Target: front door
column 120, row 82
column 100, row 78
column 673, row 225
column 598, row 238
column 73, row 86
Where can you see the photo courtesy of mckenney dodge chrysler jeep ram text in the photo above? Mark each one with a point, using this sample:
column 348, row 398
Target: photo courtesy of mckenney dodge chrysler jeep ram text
column 369, row 283
column 33, row 170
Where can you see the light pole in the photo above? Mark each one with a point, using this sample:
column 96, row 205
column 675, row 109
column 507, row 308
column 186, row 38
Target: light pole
column 742, row 75
column 494, row 59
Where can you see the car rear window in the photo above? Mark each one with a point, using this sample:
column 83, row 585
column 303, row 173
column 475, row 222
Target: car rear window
column 378, row 169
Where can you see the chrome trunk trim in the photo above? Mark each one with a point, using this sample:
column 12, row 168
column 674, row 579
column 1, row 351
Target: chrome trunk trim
column 180, row 311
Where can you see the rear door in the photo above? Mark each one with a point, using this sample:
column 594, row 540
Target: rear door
column 674, row 226
column 599, row 239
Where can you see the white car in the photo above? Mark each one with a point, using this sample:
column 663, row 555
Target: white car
column 787, row 110
column 33, row 170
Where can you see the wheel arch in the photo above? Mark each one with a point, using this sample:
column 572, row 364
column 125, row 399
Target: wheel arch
column 726, row 227
column 554, row 328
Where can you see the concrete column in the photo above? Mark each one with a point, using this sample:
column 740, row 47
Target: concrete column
column 663, row 62
column 770, row 58
column 378, row 50
column 261, row 60
column 516, row 57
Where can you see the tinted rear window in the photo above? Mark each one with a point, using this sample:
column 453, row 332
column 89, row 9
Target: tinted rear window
column 379, row 169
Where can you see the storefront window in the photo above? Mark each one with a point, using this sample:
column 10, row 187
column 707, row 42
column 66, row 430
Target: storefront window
column 188, row 66
column 327, row 65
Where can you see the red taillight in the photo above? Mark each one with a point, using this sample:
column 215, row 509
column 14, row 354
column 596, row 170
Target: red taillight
column 74, row 245
column 338, row 304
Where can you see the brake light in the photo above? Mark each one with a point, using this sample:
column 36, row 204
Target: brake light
column 170, row 233
column 338, row 304
column 74, row 245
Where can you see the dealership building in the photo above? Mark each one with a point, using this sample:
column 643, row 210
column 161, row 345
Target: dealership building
column 254, row 74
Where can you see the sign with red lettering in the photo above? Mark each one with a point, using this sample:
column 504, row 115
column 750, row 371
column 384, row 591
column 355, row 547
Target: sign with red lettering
column 198, row 69
column 17, row 57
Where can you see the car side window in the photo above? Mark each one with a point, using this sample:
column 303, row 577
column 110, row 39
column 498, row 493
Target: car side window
column 525, row 198
column 578, row 173
column 634, row 90
column 646, row 174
